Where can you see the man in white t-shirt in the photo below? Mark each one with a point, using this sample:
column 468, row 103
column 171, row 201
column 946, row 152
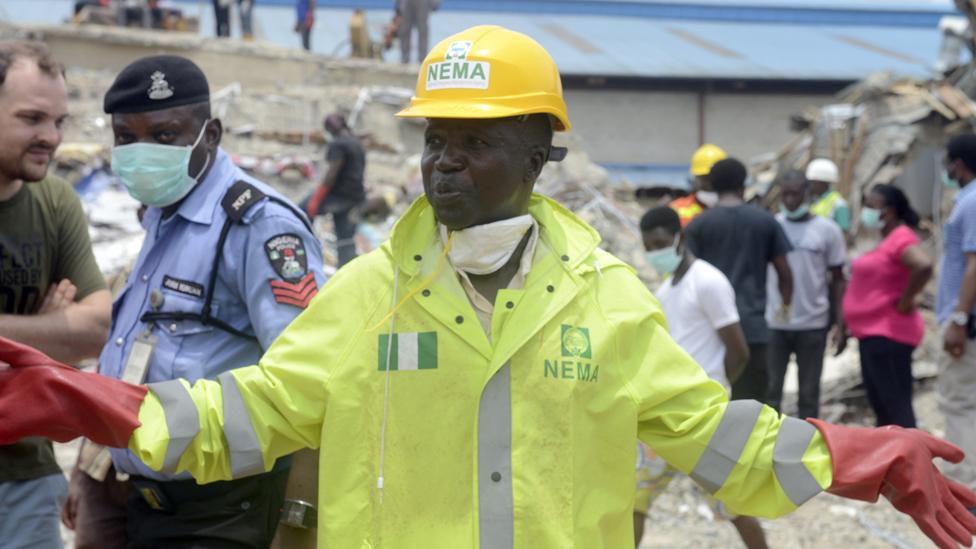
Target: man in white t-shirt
column 817, row 263
column 699, row 303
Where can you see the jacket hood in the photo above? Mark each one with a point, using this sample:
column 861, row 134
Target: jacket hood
column 564, row 232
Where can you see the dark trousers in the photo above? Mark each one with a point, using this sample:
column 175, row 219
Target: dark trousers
column 808, row 346
column 341, row 209
column 751, row 385
column 100, row 519
column 222, row 16
column 236, row 514
column 886, row 367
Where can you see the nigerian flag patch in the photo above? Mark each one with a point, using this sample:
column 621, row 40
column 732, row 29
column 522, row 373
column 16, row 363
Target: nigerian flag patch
column 411, row 351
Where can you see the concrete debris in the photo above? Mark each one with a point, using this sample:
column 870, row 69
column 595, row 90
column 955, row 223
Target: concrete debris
column 885, row 129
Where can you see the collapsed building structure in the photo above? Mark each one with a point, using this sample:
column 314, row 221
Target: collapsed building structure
column 888, row 129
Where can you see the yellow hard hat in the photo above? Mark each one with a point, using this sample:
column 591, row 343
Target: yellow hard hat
column 488, row 72
column 705, row 157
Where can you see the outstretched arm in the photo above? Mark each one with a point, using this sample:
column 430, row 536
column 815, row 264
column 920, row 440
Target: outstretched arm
column 764, row 464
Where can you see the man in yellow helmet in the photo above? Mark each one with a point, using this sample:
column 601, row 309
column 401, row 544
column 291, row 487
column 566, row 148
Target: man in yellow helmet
column 702, row 195
column 492, row 369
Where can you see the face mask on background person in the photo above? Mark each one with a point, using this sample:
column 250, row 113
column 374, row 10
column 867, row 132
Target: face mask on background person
column 155, row 174
column 665, row 260
column 948, row 181
column 870, row 218
column 708, row 198
column 795, row 214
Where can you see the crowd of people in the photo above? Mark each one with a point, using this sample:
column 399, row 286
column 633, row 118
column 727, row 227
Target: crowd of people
column 485, row 378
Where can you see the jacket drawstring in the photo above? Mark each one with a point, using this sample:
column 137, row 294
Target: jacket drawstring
column 386, row 382
column 391, row 316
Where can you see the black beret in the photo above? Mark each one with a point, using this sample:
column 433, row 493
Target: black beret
column 155, row 83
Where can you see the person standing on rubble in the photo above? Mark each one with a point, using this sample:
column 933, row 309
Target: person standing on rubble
column 305, row 11
column 222, row 17
column 880, row 304
column 817, row 263
column 52, row 293
column 956, row 305
column 226, row 265
column 827, row 202
column 414, row 14
column 702, row 194
column 491, row 370
column 341, row 192
column 699, row 303
column 741, row 240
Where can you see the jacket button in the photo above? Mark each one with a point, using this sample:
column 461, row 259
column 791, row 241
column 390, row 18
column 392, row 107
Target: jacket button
column 496, row 476
column 119, row 342
column 417, row 257
column 509, row 304
column 425, row 293
column 459, row 319
column 565, row 258
column 172, row 327
column 550, row 288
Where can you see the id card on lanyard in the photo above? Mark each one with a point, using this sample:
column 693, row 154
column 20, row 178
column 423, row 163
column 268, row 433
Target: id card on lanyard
column 137, row 363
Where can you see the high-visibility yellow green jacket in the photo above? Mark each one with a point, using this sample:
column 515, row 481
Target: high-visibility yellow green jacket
column 526, row 440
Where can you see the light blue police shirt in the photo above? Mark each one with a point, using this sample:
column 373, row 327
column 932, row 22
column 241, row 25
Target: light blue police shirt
column 260, row 256
column 959, row 239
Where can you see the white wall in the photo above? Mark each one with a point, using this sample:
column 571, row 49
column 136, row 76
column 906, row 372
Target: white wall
column 662, row 127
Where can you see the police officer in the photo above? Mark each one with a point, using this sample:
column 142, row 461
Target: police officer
column 227, row 263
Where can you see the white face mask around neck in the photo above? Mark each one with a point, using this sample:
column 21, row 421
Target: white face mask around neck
column 484, row 249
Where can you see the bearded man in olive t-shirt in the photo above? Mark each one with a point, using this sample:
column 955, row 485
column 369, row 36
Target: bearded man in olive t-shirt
column 52, row 294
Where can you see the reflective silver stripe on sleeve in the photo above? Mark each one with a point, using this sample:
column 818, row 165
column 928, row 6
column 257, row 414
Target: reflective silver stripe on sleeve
column 793, row 476
column 728, row 441
column 496, row 514
column 245, row 451
column 182, row 419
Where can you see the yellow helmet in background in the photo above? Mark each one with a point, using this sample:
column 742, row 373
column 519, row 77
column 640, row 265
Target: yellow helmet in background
column 488, row 72
column 705, row 157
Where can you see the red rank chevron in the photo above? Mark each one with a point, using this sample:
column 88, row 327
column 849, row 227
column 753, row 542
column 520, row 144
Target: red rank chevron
column 298, row 293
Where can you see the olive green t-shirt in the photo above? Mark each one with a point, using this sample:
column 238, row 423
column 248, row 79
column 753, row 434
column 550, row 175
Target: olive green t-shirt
column 43, row 239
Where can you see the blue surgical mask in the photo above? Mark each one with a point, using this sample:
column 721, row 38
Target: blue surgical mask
column 948, row 181
column 154, row 174
column 870, row 218
column 665, row 260
column 795, row 214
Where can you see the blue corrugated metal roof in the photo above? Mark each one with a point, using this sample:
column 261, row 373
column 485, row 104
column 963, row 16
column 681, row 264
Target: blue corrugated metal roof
column 631, row 47
column 642, row 48
column 905, row 13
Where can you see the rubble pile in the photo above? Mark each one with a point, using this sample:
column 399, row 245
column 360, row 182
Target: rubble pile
column 884, row 129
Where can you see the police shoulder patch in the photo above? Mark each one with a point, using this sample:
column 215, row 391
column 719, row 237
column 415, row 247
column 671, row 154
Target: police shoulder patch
column 286, row 252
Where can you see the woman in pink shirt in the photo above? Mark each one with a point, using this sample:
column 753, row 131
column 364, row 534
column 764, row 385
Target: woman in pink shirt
column 879, row 305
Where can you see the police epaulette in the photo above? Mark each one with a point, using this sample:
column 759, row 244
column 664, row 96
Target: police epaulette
column 239, row 198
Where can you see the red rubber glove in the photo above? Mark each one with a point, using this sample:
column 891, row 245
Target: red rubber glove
column 39, row 396
column 312, row 208
column 897, row 463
